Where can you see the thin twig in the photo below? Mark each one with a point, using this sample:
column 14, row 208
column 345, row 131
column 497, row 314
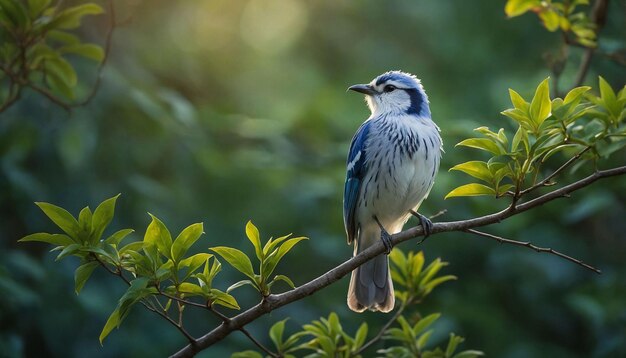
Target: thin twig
column 275, row 301
column 534, row 247
column 107, row 50
column 148, row 305
column 546, row 180
column 258, row 344
column 598, row 17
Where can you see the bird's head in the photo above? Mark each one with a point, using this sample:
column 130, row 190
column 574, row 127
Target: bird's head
column 395, row 92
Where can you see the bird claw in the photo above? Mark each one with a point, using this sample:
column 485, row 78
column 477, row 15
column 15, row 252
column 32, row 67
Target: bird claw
column 385, row 237
column 426, row 224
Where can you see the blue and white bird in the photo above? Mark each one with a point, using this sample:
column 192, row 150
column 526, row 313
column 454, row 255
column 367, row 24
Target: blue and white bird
column 391, row 167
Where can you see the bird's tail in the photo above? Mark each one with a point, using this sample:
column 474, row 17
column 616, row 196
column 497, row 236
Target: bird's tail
column 370, row 285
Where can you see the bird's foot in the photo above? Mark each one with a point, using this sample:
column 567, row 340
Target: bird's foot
column 385, row 237
column 426, row 224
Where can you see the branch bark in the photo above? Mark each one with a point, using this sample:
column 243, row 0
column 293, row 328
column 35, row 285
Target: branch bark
column 273, row 302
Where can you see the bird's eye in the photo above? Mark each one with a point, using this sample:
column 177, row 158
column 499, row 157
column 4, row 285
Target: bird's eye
column 389, row 88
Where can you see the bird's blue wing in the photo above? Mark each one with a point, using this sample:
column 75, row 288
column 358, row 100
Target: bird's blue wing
column 355, row 173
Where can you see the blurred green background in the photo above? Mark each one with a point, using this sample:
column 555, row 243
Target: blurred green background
column 222, row 111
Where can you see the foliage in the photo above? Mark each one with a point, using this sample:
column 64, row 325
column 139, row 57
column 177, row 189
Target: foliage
column 37, row 41
column 558, row 15
column 579, row 123
column 326, row 337
column 196, row 129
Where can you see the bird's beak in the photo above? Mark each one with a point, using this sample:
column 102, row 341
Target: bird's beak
column 366, row 89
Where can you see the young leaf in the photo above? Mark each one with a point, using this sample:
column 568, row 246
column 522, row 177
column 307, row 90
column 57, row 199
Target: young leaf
column 477, row 169
column 360, row 336
column 68, row 250
column 273, row 260
column 112, row 322
column 423, row 339
column 70, row 18
column 282, row 278
column 103, row 215
column 118, row 236
column 158, row 235
column 518, row 101
column 255, row 238
column 85, row 221
column 473, row 189
column 185, row 239
column 90, row 51
column 541, row 106
column 236, row 259
column 62, row 218
column 482, row 144
column 191, row 289
column 276, row 334
column 608, row 98
column 425, row 322
column 224, row 299
column 518, row 7
column 82, row 274
column 54, row 239
column 241, row 283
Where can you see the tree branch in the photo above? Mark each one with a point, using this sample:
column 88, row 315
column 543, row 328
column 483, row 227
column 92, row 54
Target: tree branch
column 275, row 301
column 531, row 246
column 598, row 16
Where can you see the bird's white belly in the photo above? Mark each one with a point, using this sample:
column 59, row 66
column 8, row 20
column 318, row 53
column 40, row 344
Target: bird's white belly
column 401, row 186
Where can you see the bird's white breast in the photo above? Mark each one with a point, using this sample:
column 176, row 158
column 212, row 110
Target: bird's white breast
column 403, row 157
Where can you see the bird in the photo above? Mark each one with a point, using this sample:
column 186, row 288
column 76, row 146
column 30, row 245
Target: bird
column 391, row 167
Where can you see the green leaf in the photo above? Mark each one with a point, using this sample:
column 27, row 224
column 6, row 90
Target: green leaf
column 82, row 274
column 68, row 250
column 157, row 235
column 62, row 71
column 272, row 261
column 541, row 106
column 482, row 144
column 241, row 283
column 112, row 322
column 191, row 289
column 608, row 98
column 103, row 215
column 360, row 336
column 63, row 37
column 282, row 278
column 236, row 259
column 224, row 299
column 518, row 7
column 473, row 189
column 271, row 243
column 550, row 19
column 70, row 18
column 90, row 51
column 477, row 169
column 469, row 354
column 518, row 101
column 118, row 236
column 255, row 238
column 452, row 344
column 519, row 116
column 521, row 136
column 276, row 334
column 423, row 339
column 35, row 7
column 85, row 220
column 62, row 218
column 194, row 262
column 425, row 322
column 575, row 94
column 54, row 239
column 247, row 354
column 185, row 239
